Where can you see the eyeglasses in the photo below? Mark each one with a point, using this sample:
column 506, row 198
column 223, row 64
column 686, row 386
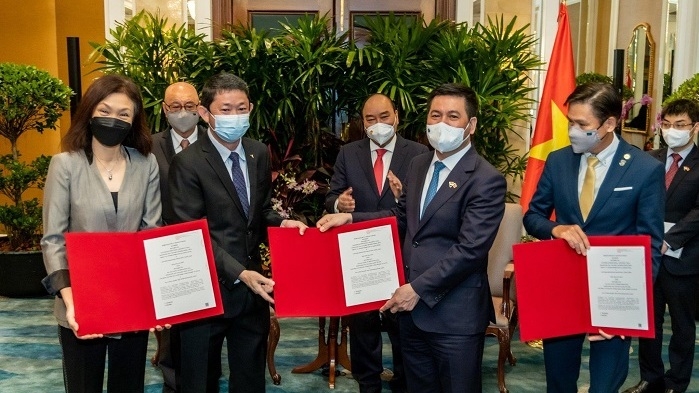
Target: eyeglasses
column 176, row 106
column 681, row 125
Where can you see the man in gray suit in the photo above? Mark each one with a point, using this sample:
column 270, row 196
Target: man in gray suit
column 368, row 177
column 226, row 178
column 180, row 108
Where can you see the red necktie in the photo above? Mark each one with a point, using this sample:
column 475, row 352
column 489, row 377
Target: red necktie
column 672, row 171
column 378, row 169
column 184, row 143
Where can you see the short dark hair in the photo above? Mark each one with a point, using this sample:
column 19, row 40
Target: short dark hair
column 680, row 107
column 602, row 97
column 79, row 136
column 221, row 83
column 458, row 90
column 393, row 104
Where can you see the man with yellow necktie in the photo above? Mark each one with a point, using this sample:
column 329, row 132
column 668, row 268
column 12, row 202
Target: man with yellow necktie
column 599, row 185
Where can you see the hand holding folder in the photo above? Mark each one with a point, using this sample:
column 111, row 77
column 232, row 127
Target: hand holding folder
column 557, row 296
column 134, row 281
column 313, row 279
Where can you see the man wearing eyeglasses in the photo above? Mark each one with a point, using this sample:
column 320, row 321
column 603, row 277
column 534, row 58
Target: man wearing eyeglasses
column 678, row 279
column 180, row 108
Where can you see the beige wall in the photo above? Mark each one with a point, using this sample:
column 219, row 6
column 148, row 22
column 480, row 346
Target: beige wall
column 508, row 9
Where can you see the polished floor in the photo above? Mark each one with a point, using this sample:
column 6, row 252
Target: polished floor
column 30, row 357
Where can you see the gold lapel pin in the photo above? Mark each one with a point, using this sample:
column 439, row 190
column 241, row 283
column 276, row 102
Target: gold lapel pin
column 685, row 168
column 622, row 162
column 627, row 156
column 452, row 184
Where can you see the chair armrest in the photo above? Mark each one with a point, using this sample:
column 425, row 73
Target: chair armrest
column 506, row 283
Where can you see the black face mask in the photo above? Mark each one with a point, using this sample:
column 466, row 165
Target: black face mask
column 109, row 131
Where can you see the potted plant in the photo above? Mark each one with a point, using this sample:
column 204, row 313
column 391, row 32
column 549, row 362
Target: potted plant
column 30, row 99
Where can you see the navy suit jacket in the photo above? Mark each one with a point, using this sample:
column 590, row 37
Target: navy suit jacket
column 446, row 252
column 682, row 208
column 164, row 152
column 629, row 202
column 201, row 187
column 354, row 168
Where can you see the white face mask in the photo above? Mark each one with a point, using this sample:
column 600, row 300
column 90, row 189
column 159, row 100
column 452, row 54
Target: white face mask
column 445, row 138
column 231, row 127
column 582, row 141
column 676, row 138
column 380, row 133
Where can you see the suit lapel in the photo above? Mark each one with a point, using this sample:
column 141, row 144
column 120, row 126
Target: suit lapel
column 166, row 145
column 363, row 154
column 622, row 160
column 217, row 165
column 456, row 179
column 570, row 184
column 414, row 192
column 253, row 173
column 688, row 164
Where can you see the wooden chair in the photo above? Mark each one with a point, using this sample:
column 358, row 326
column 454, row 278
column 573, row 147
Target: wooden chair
column 501, row 275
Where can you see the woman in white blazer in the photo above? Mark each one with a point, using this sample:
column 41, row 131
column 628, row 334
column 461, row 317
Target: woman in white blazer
column 106, row 180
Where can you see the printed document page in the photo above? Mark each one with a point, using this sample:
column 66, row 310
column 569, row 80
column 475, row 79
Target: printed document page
column 617, row 284
column 368, row 265
column 179, row 274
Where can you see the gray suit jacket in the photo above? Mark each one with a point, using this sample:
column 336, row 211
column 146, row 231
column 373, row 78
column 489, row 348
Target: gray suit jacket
column 76, row 199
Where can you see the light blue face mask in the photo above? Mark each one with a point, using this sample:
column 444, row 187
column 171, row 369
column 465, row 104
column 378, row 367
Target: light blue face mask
column 231, row 127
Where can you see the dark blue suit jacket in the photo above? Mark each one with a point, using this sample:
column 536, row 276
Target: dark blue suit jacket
column 446, row 252
column 629, row 202
column 354, row 168
column 682, row 208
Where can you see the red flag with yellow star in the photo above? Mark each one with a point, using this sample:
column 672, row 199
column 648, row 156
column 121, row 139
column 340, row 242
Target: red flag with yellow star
column 551, row 131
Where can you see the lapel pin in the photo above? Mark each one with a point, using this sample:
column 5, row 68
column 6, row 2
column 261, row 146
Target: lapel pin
column 627, row 156
column 252, row 156
column 452, row 184
column 622, row 162
column 685, row 168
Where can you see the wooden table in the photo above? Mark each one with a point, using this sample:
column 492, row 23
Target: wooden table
column 330, row 352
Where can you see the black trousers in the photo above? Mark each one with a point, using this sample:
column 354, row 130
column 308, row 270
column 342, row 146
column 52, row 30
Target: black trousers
column 679, row 294
column 246, row 337
column 440, row 363
column 84, row 362
column 366, row 351
column 169, row 361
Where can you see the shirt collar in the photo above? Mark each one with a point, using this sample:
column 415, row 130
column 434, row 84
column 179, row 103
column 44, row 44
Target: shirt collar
column 684, row 152
column 223, row 150
column 390, row 146
column 606, row 155
column 177, row 138
column 451, row 161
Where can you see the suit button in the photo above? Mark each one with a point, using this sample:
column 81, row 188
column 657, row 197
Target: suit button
column 249, row 233
column 415, row 244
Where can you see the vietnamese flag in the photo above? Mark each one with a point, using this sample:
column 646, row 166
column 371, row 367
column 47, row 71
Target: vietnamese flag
column 551, row 130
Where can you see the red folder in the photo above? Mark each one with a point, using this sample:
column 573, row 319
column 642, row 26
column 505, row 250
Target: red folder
column 307, row 271
column 111, row 286
column 552, row 288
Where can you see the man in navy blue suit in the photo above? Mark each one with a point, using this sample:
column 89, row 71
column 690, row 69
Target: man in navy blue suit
column 600, row 185
column 368, row 177
column 450, row 211
column 678, row 278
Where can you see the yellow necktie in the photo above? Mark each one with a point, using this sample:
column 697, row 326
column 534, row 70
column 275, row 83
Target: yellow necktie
column 587, row 195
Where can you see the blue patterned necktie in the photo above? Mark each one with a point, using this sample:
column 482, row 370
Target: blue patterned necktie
column 434, row 185
column 239, row 182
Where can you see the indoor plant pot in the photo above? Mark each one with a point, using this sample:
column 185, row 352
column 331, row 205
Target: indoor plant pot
column 30, row 99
